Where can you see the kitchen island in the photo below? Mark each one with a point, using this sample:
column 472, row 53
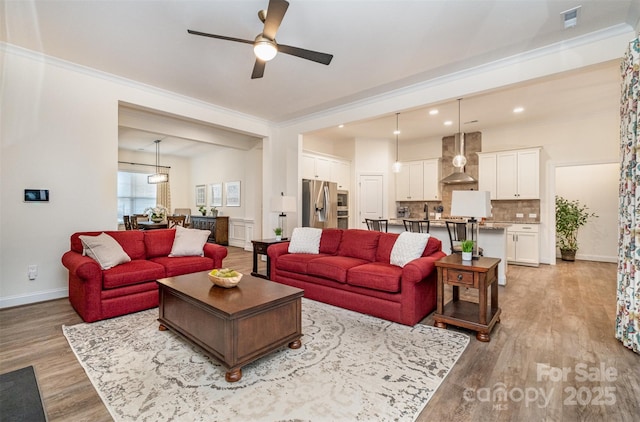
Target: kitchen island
column 493, row 240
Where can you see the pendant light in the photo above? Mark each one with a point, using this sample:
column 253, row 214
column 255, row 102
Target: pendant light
column 397, row 165
column 459, row 160
column 157, row 177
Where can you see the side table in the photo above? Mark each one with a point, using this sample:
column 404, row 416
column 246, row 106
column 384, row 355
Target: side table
column 260, row 248
column 478, row 274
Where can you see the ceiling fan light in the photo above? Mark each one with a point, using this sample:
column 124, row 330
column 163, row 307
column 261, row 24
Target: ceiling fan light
column 265, row 50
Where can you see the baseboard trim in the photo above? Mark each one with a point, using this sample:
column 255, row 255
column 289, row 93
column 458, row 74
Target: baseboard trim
column 43, row 296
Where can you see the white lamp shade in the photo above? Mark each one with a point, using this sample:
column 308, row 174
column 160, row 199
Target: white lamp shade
column 283, row 204
column 470, row 203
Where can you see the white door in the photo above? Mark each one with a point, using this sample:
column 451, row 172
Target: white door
column 371, row 198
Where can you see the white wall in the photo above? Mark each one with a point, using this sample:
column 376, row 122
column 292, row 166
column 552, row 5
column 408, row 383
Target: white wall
column 596, row 186
column 60, row 132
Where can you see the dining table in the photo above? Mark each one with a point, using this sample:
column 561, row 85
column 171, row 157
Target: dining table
column 150, row 225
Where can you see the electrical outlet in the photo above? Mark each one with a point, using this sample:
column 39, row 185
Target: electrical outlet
column 519, row 215
column 533, row 215
column 32, row 272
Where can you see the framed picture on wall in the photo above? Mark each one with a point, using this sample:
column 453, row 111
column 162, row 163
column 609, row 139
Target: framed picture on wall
column 201, row 195
column 215, row 194
column 232, row 193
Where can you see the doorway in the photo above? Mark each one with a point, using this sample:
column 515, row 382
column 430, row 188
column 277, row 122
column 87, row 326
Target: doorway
column 371, row 199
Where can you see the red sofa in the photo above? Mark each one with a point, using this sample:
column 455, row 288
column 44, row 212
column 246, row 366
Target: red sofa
column 352, row 270
column 130, row 287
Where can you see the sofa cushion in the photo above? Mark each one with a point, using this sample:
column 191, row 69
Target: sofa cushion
column 180, row 265
column 361, row 244
column 377, row 276
column 158, row 242
column 136, row 271
column 132, row 241
column 433, row 245
column 305, row 240
column 333, row 267
column 330, row 241
column 408, row 246
column 385, row 245
column 189, row 242
column 296, row 263
column 104, row 249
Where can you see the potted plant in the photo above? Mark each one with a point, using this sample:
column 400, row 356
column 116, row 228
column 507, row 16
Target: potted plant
column 278, row 232
column 214, row 211
column 156, row 214
column 203, row 210
column 467, row 250
column 570, row 216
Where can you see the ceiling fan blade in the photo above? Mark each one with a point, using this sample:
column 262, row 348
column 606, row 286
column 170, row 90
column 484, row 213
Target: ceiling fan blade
column 258, row 69
column 314, row 56
column 275, row 14
column 221, row 37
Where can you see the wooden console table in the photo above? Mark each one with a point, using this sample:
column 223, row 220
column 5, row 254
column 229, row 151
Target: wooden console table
column 219, row 227
column 478, row 274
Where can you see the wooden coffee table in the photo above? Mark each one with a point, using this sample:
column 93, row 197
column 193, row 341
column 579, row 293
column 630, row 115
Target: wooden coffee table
column 235, row 326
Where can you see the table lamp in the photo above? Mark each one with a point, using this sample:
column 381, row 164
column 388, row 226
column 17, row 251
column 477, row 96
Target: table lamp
column 283, row 204
column 472, row 204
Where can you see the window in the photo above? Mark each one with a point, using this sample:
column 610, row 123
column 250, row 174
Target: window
column 134, row 193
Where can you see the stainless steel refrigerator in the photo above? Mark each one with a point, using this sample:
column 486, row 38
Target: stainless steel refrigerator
column 319, row 204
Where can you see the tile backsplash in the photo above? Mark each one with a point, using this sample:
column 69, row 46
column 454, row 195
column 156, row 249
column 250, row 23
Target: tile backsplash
column 503, row 211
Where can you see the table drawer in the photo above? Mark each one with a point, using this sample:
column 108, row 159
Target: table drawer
column 261, row 248
column 458, row 277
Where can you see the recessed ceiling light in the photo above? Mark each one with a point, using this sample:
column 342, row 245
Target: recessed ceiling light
column 448, row 123
column 433, row 112
column 340, row 126
column 518, row 109
column 396, row 132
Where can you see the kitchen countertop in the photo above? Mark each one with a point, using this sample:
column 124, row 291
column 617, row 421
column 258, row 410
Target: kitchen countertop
column 441, row 223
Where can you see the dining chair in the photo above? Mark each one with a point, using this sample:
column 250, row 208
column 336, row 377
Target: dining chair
column 135, row 218
column 416, row 226
column 186, row 212
column 460, row 231
column 127, row 222
column 176, row 220
column 377, row 225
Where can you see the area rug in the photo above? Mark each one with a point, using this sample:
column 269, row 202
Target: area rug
column 351, row 367
column 20, row 398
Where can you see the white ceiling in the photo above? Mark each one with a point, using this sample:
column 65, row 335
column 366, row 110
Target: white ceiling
column 378, row 46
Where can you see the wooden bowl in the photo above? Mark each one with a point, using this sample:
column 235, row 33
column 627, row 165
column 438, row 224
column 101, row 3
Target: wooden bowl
column 225, row 281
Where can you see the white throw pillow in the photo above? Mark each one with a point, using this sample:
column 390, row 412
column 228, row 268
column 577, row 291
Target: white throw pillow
column 189, row 242
column 408, row 246
column 305, row 240
column 104, row 249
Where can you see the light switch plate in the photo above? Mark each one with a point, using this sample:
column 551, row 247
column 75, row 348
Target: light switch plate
column 519, row 215
column 533, row 215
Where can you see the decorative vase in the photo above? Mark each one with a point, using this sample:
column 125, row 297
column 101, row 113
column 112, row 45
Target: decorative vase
column 214, row 213
column 467, row 256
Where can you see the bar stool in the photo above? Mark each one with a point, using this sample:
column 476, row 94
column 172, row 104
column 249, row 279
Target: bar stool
column 377, row 225
column 416, row 226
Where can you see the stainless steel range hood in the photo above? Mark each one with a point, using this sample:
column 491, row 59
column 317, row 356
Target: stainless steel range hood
column 458, row 175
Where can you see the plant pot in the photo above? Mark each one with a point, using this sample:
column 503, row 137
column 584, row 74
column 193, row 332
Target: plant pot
column 568, row 254
column 278, row 237
column 157, row 219
column 214, row 213
column 467, row 256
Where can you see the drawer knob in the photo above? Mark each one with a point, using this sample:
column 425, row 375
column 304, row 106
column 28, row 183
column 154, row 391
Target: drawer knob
column 459, row 277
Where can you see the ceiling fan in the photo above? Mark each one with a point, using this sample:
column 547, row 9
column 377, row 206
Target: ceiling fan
column 264, row 46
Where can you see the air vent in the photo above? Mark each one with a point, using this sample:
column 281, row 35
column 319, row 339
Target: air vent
column 570, row 17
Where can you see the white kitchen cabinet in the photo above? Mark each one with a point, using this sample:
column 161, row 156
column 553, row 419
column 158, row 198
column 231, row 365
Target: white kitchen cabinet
column 487, row 173
column 518, row 174
column 431, row 179
column 341, row 174
column 410, row 181
column 317, row 167
column 510, row 174
column 523, row 244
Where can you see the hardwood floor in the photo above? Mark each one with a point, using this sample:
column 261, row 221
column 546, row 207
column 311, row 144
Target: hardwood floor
column 561, row 316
